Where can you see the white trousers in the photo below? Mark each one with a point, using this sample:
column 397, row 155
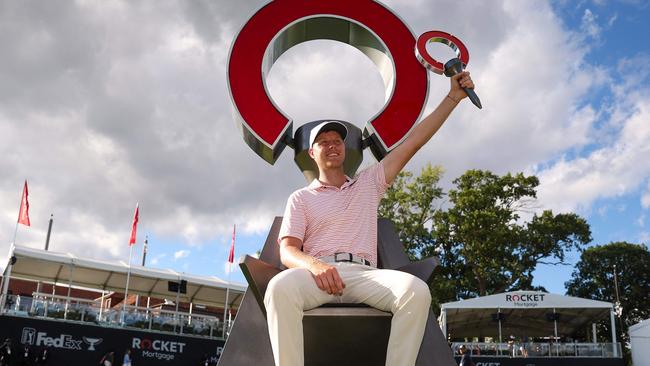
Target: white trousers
column 294, row 290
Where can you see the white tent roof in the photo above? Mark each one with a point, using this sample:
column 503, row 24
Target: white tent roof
column 640, row 330
column 64, row 268
column 525, row 313
column 527, row 300
column 640, row 342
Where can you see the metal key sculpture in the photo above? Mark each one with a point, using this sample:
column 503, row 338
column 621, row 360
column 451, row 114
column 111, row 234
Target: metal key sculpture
column 366, row 25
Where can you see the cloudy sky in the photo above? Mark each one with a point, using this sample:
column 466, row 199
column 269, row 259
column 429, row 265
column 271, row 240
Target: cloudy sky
column 107, row 103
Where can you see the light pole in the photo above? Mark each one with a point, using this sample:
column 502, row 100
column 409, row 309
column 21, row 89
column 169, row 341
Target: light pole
column 618, row 309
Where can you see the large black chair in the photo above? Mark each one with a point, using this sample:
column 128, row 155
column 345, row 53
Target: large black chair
column 340, row 334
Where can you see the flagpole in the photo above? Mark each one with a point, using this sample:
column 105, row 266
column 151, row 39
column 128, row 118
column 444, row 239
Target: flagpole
column 144, row 256
column 15, row 233
column 134, row 228
column 22, row 197
column 225, row 310
column 230, row 260
column 144, row 249
column 23, row 213
column 49, row 232
column 126, row 290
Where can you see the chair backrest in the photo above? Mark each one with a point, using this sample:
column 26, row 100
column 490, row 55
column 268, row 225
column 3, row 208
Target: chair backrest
column 249, row 343
column 258, row 273
column 390, row 251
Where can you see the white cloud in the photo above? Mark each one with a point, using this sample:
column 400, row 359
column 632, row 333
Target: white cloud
column 144, row 117
column 227, row 267
column 645, row 200
column 602, row 211
column 104, row 105
column 156, row 259
column 608, row 171
column 612, row 20
column 181, row 254
column 644, row 237
column 590, row 24
column 533, row 109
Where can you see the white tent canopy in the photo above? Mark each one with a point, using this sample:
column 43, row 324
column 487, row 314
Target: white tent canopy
column 524, row 313
column 68, row 269
column 640, row 342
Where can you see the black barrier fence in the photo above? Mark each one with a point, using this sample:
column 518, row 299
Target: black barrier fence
column 532, row 361
column 81, row 344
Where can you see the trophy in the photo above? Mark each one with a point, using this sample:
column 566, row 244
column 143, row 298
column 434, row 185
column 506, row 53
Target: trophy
column 364, row 24
column 452, row 67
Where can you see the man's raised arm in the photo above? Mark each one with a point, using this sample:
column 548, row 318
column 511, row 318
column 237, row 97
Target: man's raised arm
column 395, row 161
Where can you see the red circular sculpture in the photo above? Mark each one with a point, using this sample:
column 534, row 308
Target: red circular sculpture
column 443, row 37
column 364, row 24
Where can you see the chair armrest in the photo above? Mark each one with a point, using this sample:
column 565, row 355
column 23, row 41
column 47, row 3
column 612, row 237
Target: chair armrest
column 258, row 274
column 422, row 269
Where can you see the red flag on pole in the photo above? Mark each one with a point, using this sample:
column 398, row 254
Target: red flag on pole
column 134, row 227
column 231, row 256
column 23, row 214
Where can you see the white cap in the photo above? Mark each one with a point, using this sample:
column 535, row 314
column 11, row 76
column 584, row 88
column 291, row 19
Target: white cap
column 327, row 126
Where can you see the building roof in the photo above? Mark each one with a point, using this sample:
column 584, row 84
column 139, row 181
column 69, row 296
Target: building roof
column 641, row 329
column 67, row 268
column 526, row 313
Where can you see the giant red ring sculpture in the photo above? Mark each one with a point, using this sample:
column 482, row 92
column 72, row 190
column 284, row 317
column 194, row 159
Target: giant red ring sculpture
column 364, row 24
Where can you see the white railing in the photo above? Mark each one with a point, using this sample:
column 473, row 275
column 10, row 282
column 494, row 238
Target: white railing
column 63, row 307
column 167, row 321
column 536, row 349
column 91, row 311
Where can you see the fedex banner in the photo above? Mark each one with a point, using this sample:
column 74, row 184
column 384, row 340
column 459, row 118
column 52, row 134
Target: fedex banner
column 86, row 344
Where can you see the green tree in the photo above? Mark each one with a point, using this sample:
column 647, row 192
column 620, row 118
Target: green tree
column 410, row 205
column 593, row 278
column 482, row 241
column 485, row 230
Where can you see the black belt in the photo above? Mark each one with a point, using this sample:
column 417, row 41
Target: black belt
column 345, row 257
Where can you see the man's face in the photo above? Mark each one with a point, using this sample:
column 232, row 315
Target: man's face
column 328, row 150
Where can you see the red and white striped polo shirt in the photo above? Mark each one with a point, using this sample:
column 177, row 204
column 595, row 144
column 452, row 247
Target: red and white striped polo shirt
column 329, row 219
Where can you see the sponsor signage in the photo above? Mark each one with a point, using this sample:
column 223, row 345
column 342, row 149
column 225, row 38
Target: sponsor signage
column 546, row 361
column 66, row 341
column 85, row 344
column 158, row 348
column 525, row 300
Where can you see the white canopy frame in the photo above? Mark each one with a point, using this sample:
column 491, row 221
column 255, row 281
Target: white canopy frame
column 66, row 268
column 528, row 311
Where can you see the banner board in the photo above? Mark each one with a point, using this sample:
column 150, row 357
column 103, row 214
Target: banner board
column 550, row 361
column 82, row 344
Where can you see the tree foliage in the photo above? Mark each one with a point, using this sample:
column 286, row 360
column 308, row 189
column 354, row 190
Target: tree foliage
column 593, row 278
column 483, row 243
column 410, row 205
